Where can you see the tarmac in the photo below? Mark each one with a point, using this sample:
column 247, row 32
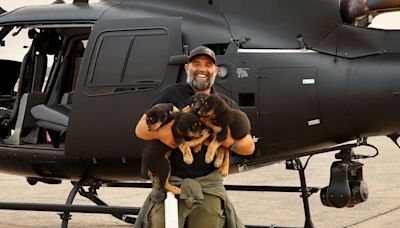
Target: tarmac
column 382, row 209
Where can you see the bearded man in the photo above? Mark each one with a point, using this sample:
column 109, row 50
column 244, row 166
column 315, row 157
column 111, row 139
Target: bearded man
column 199, row 204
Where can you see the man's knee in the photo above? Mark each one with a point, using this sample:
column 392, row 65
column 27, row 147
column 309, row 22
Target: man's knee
column 157, row 216
column 210, row 214
column 213, row 204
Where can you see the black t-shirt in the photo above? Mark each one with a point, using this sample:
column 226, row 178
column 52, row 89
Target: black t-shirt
column 179, row 95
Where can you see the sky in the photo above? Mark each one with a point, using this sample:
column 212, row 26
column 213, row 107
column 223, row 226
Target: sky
column 387, row 21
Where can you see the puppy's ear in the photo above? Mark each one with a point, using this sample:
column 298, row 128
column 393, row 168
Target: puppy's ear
column 175, row 109
column 186, row 108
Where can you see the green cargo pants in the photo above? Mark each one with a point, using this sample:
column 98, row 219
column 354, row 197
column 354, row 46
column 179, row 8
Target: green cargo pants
column 209, row 214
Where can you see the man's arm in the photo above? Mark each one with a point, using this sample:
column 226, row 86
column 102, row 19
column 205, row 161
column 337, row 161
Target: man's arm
column 164, row 133
column 244, row 146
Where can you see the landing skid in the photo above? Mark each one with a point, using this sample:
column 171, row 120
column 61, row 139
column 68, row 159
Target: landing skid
column 305, row 192
column 121, row 212
column 91, row 194
column 128, row 214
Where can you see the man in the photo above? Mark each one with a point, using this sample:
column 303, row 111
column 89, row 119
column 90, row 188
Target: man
column 199, row 205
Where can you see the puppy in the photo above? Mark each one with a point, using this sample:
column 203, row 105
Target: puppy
column 195, row 102
column 222, row 154
column 217, row 115
column 159, row 115
column 155, row 156
column 187, row 126
column 155, row 159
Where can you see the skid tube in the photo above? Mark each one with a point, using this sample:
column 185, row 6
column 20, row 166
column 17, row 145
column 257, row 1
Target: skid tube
column 128, row 214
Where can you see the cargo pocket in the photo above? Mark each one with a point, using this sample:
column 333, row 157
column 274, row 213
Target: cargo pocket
column 157, row 216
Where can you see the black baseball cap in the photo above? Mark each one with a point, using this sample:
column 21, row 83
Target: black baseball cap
column 202, row 50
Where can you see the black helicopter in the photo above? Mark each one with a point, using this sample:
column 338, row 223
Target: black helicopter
column 309, row 74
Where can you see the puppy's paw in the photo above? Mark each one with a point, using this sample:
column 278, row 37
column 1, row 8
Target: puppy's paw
column 218, row 162
column 211, row 150
column 210, row 155
column 224, row 170
column 175, row 190
column 172, row 188
column 186, row 153
column 219, row 157
column 188, row 158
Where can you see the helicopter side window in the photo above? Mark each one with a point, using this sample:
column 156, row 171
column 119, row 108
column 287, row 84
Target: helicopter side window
column 129, row 61
column 111, row 59
column 150, row 51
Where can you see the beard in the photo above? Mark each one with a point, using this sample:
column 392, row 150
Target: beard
column 200, row 85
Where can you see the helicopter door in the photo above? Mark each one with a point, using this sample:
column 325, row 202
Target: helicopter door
column 125, row 64
column 289, row 100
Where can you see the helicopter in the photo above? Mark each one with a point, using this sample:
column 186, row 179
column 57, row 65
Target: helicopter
column 310, row 75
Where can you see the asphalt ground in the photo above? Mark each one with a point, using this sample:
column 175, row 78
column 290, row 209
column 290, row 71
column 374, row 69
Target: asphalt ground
column 382, row 209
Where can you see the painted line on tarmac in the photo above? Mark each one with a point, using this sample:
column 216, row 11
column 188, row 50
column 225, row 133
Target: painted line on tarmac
column 373, row 217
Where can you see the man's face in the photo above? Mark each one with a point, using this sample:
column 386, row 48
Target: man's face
column 201, row 73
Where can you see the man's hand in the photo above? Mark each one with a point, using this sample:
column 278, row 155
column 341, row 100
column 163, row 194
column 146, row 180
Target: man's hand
column 244, row 146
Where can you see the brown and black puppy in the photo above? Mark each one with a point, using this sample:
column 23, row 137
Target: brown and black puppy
column 186, row 130
column 217, row 115
column 195, row 102
column 159, row 115
column 222, row 154
column 155, row 159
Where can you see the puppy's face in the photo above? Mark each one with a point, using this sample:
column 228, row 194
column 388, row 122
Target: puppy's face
column 196, row 102
column 189, row 125
column 207, row 109
column 155, row 118
column 212, row 106
column 196, row 128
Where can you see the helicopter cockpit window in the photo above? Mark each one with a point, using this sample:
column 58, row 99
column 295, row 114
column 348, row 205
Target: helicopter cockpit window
column 14, row 45
column 25, row 53
column 129, row 59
